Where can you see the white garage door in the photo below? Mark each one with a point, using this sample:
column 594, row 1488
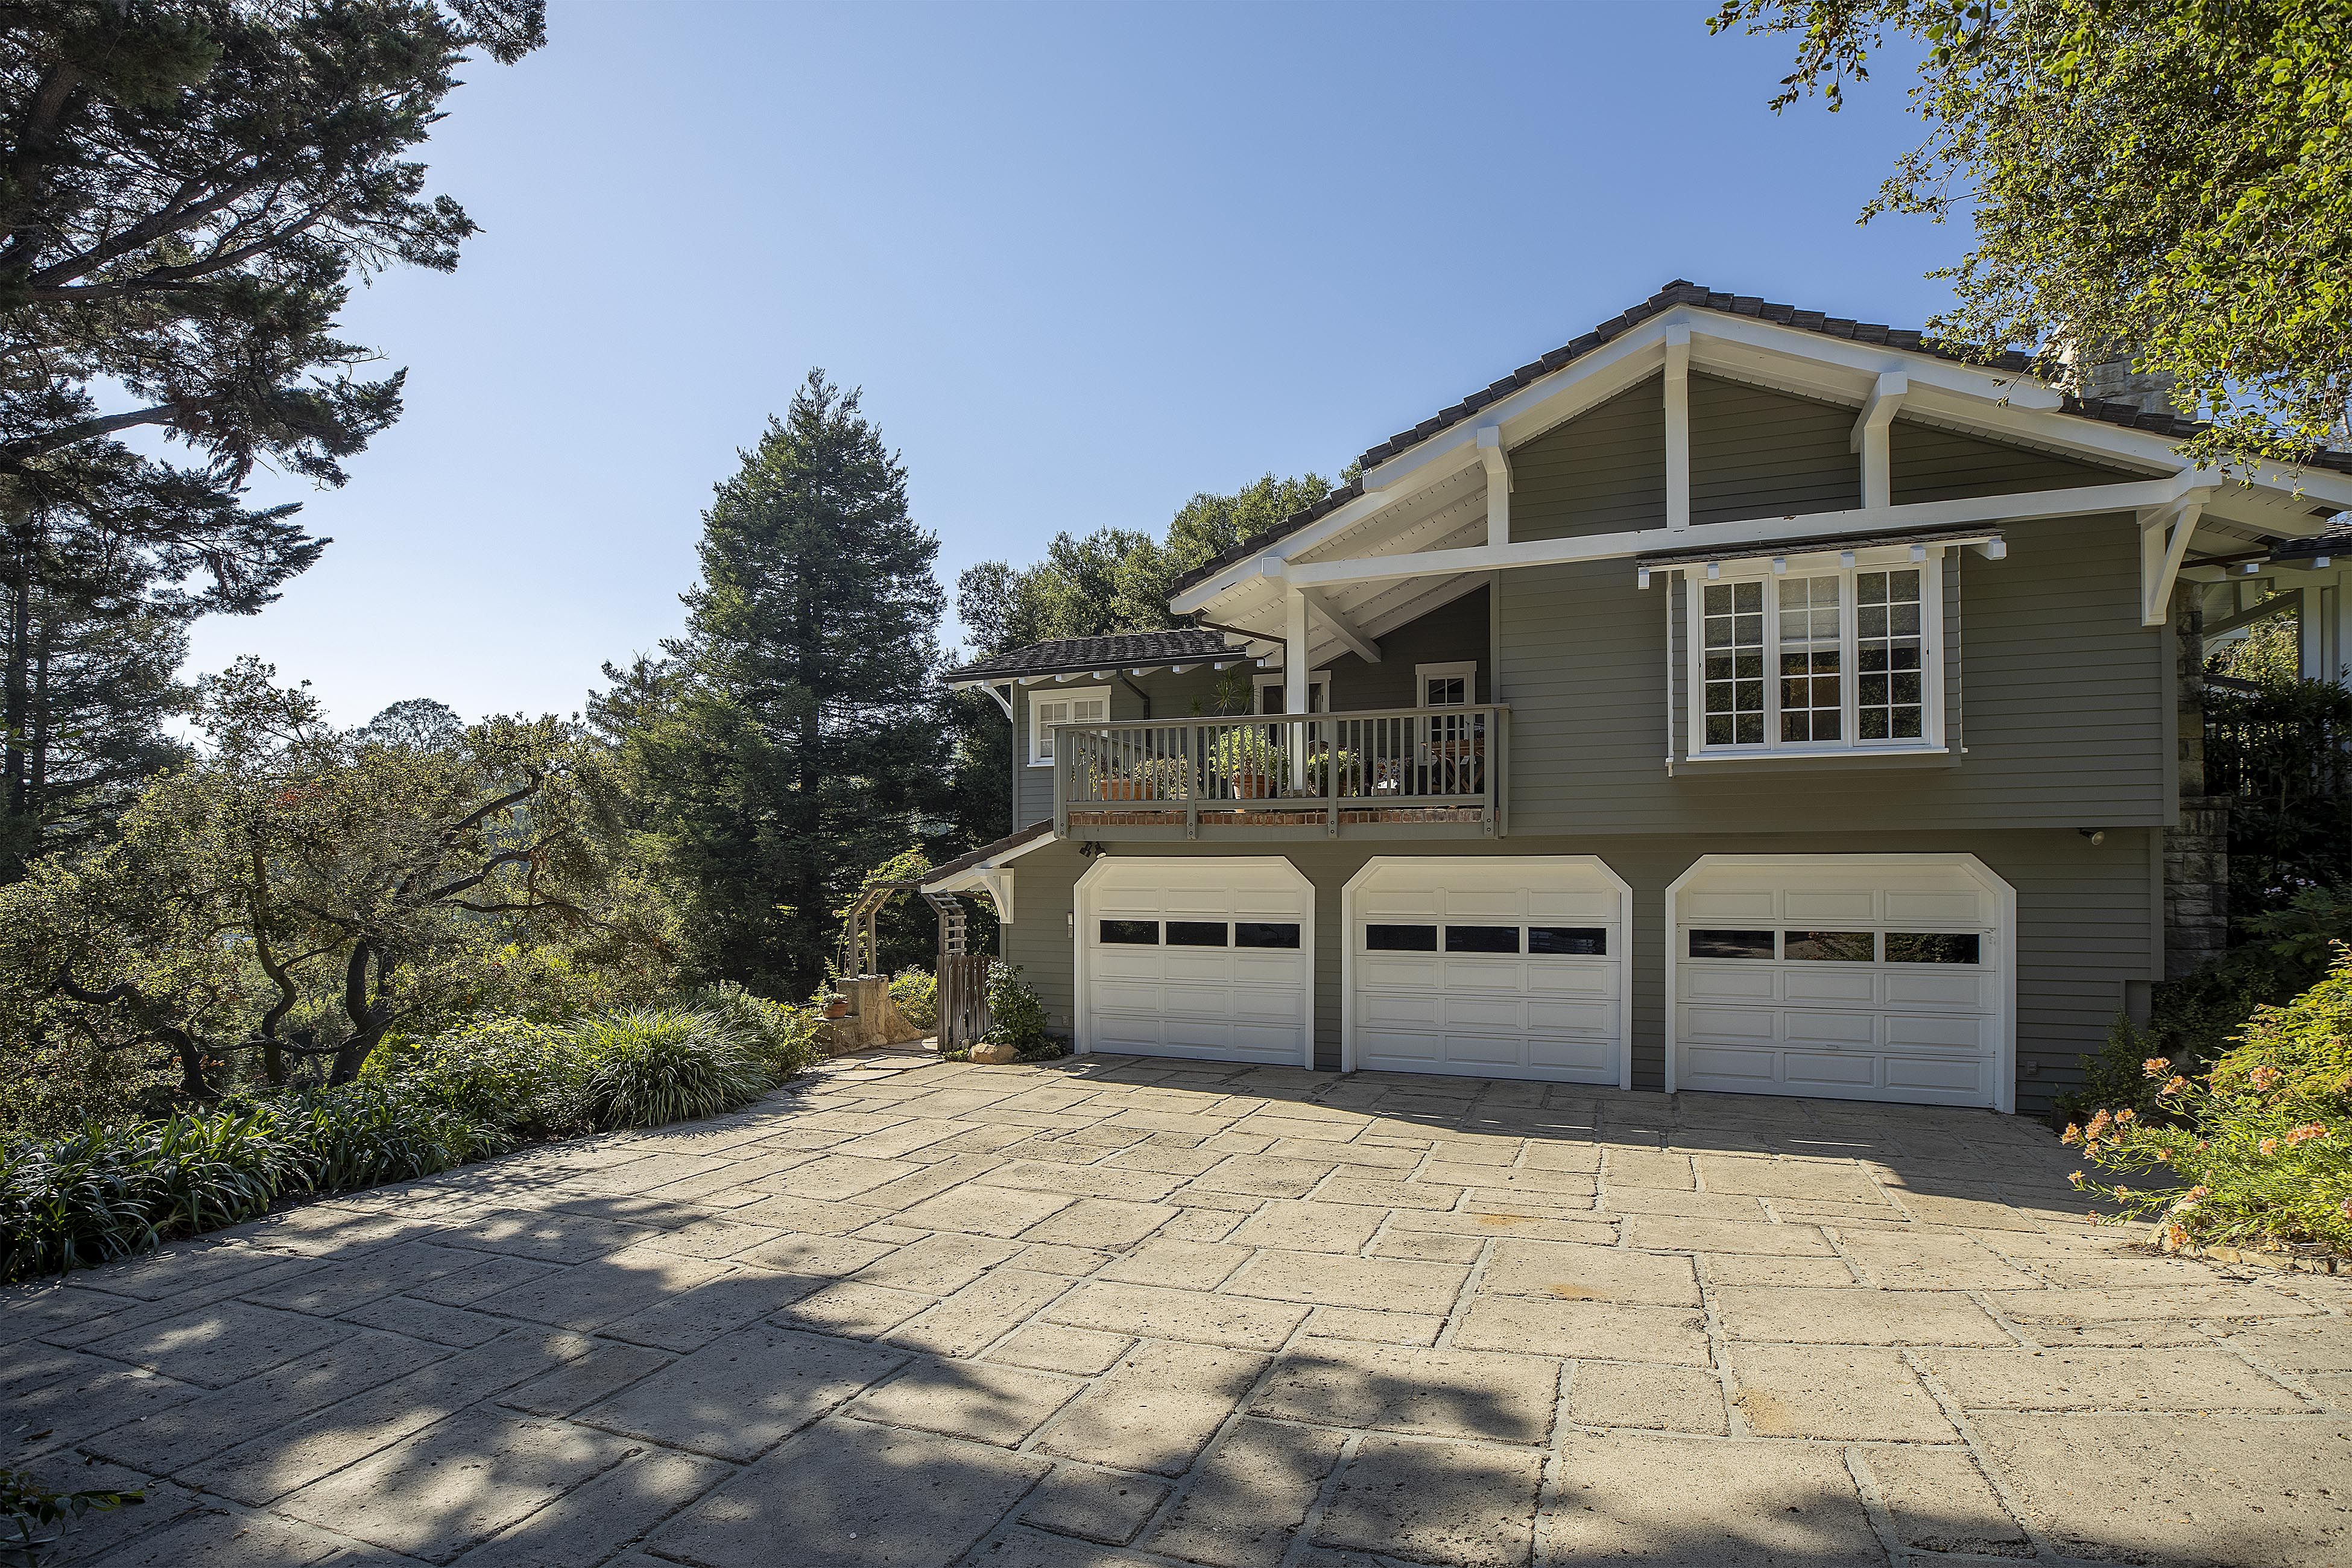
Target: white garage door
column 1485, row 965
column 1854, row 977
column 1205, row 956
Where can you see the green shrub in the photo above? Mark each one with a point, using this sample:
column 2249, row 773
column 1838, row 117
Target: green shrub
column 668, row 1064
column 364, row 1134
column 2196, row 1018
column 1016, row 1015
column 2260, row 1152
column 788, row 1039
column 917, row 993
column 109, row 1191
column 514, row 1079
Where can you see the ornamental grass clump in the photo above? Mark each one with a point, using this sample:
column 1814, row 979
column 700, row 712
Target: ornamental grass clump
column 107, row 1191
column 2258, row 1154
column 668, row 1064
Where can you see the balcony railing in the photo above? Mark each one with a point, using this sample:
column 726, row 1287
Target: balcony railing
column 1402, row 772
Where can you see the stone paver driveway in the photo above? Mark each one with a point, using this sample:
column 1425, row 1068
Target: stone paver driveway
column 1123, row 1312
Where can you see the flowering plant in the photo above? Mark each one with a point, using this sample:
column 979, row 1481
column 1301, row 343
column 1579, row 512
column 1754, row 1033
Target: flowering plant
column 2259, row 1152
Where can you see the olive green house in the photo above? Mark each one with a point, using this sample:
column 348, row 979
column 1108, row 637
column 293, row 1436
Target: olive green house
column 1736, row 698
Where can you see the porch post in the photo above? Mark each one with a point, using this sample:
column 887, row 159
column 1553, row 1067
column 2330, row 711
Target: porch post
column 1296, row 684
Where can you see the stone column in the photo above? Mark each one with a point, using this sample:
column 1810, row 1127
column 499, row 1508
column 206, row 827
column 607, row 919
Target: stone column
column 2197, row 851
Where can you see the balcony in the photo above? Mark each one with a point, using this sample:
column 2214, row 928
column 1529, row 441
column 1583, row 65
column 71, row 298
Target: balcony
column 1404, row 772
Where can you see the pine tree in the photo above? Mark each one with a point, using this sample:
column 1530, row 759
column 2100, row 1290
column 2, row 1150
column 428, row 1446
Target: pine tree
column 800, row 736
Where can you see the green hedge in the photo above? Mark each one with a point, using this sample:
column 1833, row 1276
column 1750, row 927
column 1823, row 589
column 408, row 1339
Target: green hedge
column 112, row 1190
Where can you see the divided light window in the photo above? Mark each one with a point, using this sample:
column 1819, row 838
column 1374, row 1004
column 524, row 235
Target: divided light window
column 1817, row 661
column 1087, row 705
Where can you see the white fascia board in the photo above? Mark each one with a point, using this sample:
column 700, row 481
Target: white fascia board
column 1976, row 382
column 2081, row 501
column 1583, row 382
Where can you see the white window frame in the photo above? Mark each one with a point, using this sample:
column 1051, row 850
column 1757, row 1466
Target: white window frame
column 1039, row 700
column 1468, row 668
column 1832, row 564
column 1318, row 679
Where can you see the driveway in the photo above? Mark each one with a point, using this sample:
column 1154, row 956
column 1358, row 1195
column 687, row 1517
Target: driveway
column 1123, row 1312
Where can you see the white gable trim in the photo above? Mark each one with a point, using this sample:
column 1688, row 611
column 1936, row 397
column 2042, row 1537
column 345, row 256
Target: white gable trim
column 1998, row 405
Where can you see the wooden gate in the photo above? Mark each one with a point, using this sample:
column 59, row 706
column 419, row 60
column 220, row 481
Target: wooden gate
column 964, row 1000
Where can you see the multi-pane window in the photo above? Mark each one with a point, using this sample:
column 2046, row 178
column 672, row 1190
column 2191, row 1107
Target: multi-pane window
column 1814, row 660
column 1090, row 706
column 1733, row 627
column 1889, row 703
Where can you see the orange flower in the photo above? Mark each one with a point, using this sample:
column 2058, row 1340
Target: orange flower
column 2098, row 1124
column 2072, row 1134
column 2270, row 1145
column 2127, row 1114
column 2164, row 1155
column 2176, row 1235
column 2263, row 1079
column 2175, row 1086
column 2306, row 1133
column 2155, row 1066
column 2076, row 1178
column 2199, row 1191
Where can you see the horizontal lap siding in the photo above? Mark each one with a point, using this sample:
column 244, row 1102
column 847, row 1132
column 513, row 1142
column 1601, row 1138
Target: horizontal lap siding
column 2084, row 923
column 2060, row 692
column 1755, row 453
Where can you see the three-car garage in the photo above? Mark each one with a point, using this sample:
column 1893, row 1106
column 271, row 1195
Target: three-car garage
column 1886, row 976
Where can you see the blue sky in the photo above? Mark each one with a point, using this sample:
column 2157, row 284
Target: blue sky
column 1083, row 260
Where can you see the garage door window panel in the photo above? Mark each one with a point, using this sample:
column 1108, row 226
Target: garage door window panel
column 1934, row 947
column 1738, row 945
column 1266, row 934
column 1567, row 941
column 1482, row 938
column 1196, row 933
column 1829, row 946
column 1131, row 934
column 1400, row 939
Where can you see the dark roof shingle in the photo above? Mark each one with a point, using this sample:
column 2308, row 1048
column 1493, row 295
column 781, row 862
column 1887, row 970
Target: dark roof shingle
column 1179, row 642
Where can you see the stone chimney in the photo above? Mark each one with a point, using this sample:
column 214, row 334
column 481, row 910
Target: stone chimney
column 2108, row 374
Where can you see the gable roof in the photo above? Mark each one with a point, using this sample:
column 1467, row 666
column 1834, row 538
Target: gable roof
column 1067, row 654
column 1682, row 292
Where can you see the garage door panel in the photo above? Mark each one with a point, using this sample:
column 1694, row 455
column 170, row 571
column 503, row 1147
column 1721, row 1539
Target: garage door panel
column 1571, row 980
column 1180, row 964
column 1936, row 909
column 1808, row 983
column 1385, row 1009
column 1811, row 1026
column 1129, row 997
column 1806, row 1070
column 1711, row 983
column 1948, row 988
column 1561, row 908
column 1811, row 904
column 1967, row 1034
column 1728, row 1024
column 1717, row 907
column 1403, row 973
column 1711, row 1067
column 1949, row 1076
column 1490, row 1011
column 1581, row 1057
column 1595, row 1018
